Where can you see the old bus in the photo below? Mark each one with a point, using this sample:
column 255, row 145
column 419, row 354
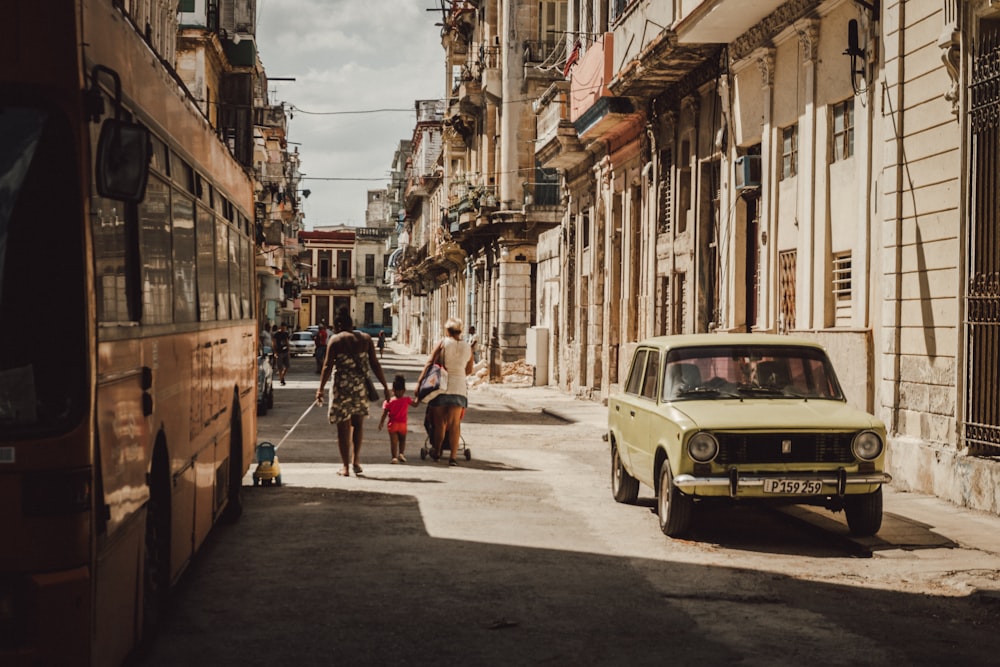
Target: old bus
column 127, row 345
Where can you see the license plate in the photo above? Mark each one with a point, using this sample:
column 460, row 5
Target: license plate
column 793, row 486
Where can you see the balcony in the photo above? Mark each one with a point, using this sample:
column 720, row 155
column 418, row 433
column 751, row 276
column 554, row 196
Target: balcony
column 593, row 110
column 652, row 61
column 721, row 21
column 327, row 283
column 557, row 145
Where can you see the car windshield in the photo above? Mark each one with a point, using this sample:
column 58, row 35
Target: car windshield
column 302, row 336
column 758, row 371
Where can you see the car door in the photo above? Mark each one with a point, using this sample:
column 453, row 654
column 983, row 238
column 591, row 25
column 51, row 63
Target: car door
column 646, row 418
column 623, row 408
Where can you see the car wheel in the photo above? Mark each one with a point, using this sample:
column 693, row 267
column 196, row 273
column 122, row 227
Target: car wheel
column 672, row 507
column 262, row 407
column 270, row 397
column 624, row 487
column 864, row 513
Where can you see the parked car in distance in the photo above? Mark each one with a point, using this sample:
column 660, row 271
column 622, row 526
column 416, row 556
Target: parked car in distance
column 265, row 381
column 742, row 417
column 302, row 342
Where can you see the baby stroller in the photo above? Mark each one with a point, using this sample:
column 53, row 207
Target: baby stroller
column 427, row 449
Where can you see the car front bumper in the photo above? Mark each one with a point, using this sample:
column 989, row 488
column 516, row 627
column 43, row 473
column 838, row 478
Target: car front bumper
column 835, row 482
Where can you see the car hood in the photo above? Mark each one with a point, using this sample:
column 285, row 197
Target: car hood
column 775, row 414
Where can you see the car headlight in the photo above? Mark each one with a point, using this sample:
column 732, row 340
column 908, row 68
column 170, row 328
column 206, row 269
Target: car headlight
column 703, row 447
column 867, row 445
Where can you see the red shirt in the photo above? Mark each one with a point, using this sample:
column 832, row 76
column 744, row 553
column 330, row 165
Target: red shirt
column 397, row 408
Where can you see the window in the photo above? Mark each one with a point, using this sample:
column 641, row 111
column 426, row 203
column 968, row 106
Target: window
column 843, row 130
column 789, row 151
column 370, row 267
column 651, row 375
column 585, row 229
column 635, row 375
column 155, row 241
column 343, row 263
column 369, row 314
column 842, row 289
column 185, row 257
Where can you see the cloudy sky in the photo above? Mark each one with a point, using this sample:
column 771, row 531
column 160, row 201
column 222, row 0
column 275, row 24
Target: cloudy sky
column 348, row 56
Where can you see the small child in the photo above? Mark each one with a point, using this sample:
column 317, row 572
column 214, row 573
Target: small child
column 396, row 410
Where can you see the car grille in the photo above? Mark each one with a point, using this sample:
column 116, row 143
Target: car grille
column 742, row 448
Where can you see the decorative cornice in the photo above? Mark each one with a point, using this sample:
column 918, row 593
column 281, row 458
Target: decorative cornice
column 765, row 61
column 808, row 32
column 763, row 33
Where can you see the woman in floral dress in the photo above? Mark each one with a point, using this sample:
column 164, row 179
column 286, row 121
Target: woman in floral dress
column 349, row 354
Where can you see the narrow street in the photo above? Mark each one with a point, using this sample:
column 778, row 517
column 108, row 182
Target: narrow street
column 520, row 556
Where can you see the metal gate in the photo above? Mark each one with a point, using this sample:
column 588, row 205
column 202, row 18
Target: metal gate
column 981, row 430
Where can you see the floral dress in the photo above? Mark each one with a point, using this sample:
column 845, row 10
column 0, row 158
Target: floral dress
column 348, row 396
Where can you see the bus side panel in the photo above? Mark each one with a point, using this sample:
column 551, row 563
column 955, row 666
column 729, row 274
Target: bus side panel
column 117, row 577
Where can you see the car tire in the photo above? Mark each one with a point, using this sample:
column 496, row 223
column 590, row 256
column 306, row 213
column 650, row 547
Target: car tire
column 262, row 407
column 864, row 513
column 624, row 487
column 270, row 398
column 673, row 508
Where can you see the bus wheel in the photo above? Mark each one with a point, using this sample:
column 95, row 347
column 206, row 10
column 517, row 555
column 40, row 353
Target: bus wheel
column 156, row 559
column 234, row 505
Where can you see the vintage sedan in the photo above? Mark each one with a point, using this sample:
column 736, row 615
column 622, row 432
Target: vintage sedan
column 742, row 417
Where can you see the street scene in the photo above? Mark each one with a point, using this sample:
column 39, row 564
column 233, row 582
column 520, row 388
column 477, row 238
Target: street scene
column 520, row 555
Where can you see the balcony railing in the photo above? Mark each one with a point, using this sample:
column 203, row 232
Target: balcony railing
column 332, row 283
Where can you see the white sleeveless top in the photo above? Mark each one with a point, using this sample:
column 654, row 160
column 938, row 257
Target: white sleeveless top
column 454, row 356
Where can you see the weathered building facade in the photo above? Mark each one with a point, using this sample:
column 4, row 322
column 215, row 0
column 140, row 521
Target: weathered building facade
column 821, row 168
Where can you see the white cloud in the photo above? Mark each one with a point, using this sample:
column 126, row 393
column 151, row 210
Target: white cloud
column 349, row 55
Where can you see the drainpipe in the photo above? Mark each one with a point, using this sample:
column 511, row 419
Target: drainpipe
column 897, row 330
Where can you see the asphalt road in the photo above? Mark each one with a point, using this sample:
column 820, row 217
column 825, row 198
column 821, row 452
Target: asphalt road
column 520, row 556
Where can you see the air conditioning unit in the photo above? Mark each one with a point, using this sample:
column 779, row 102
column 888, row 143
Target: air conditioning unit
column 747, row 172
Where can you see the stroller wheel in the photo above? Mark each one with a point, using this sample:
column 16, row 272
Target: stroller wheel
column 468, row 454
column 423, row 453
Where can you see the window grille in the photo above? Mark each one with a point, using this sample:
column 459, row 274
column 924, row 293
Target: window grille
column 842, row 289
column 786, row 268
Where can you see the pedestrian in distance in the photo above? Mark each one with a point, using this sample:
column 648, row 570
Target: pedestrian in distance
column 447, row 408
column 282, row 351
column 395, row 411
column 349, row 354
column 320, row 338
column 381, row 343
column 473, row 341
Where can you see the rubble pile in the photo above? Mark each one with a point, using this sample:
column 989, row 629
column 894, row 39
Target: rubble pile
column 514, row 373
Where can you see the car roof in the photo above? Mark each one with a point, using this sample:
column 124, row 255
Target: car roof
column 712, row 339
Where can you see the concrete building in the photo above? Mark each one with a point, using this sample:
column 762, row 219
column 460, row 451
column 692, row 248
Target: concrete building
column 479, row 223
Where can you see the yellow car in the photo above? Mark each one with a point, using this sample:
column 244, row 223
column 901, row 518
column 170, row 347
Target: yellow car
column 743, row 416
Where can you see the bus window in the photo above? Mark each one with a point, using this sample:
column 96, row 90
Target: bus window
column 205, row 226
column 154, row 240
column 222, row 269
column 234, row 274
column 185, row 297
column 42, row 384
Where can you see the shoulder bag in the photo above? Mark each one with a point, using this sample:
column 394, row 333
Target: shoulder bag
column 434, row 381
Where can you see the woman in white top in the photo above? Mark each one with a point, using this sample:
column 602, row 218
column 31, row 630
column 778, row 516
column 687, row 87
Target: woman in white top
column 447, row 408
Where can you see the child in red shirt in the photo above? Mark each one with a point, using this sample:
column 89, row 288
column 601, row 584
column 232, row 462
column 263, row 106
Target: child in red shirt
column 396, row 410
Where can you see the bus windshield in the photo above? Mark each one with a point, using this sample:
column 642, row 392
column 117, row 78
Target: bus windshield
column 42, row 298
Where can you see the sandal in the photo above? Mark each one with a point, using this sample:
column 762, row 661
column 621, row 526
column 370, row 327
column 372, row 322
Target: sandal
column 344, row 473
column 452, row 462
column 402, row 459
column 357, row 469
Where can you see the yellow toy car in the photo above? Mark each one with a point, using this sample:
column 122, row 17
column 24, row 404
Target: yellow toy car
column 268, row 469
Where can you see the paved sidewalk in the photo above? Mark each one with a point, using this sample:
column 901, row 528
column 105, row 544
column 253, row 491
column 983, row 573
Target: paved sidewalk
column 912, row 520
